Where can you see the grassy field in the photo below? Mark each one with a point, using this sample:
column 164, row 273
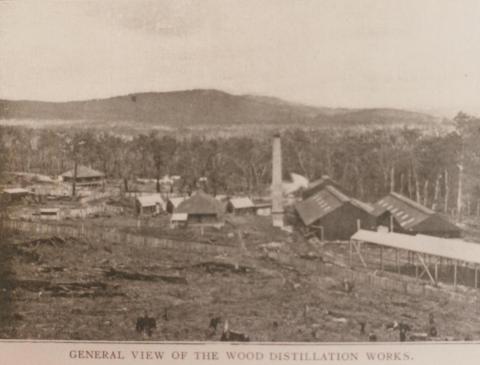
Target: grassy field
column 66, row 288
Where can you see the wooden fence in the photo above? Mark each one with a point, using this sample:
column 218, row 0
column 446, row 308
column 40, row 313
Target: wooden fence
column 114, row 235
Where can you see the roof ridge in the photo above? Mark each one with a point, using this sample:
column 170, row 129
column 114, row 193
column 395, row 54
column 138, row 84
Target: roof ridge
column 363, row 205
column 337, row 193
column 412, row 203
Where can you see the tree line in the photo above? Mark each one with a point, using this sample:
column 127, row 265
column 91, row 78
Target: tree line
column 439, row 170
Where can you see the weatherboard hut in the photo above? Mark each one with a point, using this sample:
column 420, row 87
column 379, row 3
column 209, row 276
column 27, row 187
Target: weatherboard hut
column 13, row 195
column 149, row 204
column 240, row 206
column 201, row 209
column 85, row 176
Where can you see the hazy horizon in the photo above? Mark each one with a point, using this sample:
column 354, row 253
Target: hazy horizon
column 419, row 56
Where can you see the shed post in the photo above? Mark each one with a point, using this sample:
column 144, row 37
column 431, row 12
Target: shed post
column 416, row 267
column 455, row 273
column 476, row 277
column 358, row 225
column 391, row 223
column 396, row 261
column 436, row 272
column 381, row 258
column 350, row 253
column 322, row 233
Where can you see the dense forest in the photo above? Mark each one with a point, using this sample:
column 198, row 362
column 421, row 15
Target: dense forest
column 432, row 168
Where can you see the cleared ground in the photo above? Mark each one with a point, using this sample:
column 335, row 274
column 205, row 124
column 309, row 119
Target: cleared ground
column 68, row 288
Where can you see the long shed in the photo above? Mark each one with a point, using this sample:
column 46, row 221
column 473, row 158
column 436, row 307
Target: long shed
column 412, row 217
column 320, row 184
column 334, row 215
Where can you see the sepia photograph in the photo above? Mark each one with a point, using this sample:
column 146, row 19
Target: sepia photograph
column 271, row 171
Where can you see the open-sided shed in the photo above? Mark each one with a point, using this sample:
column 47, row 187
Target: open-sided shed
column 450, row 260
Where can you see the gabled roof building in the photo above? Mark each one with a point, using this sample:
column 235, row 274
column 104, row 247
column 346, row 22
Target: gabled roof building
column 334, row 215
column 241, row 205
column 320, row 184
column 201, row 208
column 412, row 217
column 85, row 176
column 149, row 204
column 173, row 203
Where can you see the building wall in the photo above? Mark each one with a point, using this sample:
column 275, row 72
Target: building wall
column 384, row 220
column 435, row 225
column 202, row 219
column 84, row 180
column 170, row 207
column 266, row 211
column 147, row 210
column 341, row 224
column 240, row 211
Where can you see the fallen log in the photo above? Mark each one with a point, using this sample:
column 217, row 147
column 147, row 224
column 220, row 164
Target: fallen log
column 213, row 267
column 54, row 241
column 131, row 275
column 68, row 289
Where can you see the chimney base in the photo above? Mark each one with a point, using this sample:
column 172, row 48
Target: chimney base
column 277, row 219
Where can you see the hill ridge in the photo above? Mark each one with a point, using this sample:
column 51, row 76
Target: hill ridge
column 196, row 107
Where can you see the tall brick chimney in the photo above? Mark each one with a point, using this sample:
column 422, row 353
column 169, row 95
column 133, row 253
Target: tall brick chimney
column 277, row 192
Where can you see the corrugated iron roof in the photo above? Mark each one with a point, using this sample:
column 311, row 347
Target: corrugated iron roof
column 362, row 205
column 15, row 191
column 455, row 249
column 320, row 204
column 175, row 201
column 179, row 217
column 49, row 210
column 150, row 200
column 324, row 202
column 200, row 203
column 407, row 212
column 241, row 203
column 320, row 184
column 83, row 172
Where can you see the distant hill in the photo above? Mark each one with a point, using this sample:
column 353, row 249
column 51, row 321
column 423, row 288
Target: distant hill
column 203, row 108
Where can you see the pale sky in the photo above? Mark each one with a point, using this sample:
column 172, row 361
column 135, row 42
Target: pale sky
column 417, row 54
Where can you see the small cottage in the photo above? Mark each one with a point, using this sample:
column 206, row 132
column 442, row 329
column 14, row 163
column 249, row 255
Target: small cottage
column 149, row 204
column 201, row 209
column 240, row 206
